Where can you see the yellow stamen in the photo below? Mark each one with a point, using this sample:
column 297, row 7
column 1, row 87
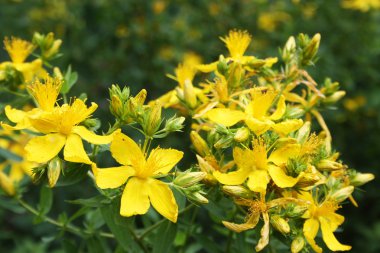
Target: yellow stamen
column 237, row 43
column 18, row 49
column 46, row 93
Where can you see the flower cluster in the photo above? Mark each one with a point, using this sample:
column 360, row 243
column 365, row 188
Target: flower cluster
column 252, row 132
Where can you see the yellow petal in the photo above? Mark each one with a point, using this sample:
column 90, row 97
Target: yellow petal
column 310, row 230
column 163, row 200
column 168, row 99
column 282, row 154
column 250, row 224
column 161, row 161
column 258, row 180
column 112, row 177
column 126, row 151
column 135, row 199
column 14, row 115
column 287, row 126
column 232, row 178
column 329, row 238
column 41, row 149
column 261, row 103
column 280, row 110
column 225, row 116
column 74, row 150
column 280, row 178
column 206, row 68
column 91, row 137
column 264, row 233
column 258, row 126
column 244, row 159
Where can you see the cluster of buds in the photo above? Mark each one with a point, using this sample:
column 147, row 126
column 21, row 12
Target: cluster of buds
column 48, row 45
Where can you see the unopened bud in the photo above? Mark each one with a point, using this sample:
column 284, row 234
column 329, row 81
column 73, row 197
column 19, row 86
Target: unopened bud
column 342, row 194
column 311, row 49
column 197, row 197
column 235, row 75
column 222, row 65
column 53, row 171
column 57, row 73
column 289, row 48
column 174, row 124
column 361, row 178
column 280, row 224
column 297, row 210
column 242, row 134
column 297, row 244
column 303, row 132
column 223, row 142
column 328, row 165
column 199, row 144
column 189, row 94
column 187, row 179
column 237, row 191
column 294, row 112
column 153, row 121
column 335, row 97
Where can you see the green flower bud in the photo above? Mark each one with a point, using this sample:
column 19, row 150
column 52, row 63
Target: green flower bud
column 54, row 168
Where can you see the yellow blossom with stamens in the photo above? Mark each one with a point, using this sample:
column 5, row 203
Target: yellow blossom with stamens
column 322, row 215
column 256, row 115
column 62, row 129
column 142, row 188
column 45, row 95
column 255, row 166
column 18, row 51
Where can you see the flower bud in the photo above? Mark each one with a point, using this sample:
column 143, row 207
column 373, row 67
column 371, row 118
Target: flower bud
column 54, row 170
column 199, row 144
column 303, row 132
column 297, row 244
column 222, row 65
column 297, row 210
column 242, row 134
column 174, row 124
column 187, row 179
column 328, row 165
column 235, row 75
column 237, row 191
column 335, row 97
column 342, row 194
column 189, row 94
column 208, row 169
column 197, row 197
column 289, row 48
column 311, row 49
column 280, row 224
column 223, row 142
column 153, row 121
column 361, row 178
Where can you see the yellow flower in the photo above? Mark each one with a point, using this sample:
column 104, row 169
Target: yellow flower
column 258, row 169
column 322, row 215
column 256, row 114
column 61, row 128
column 237, row 43
column 45, row 95
column 142, row 188
column 18, row 51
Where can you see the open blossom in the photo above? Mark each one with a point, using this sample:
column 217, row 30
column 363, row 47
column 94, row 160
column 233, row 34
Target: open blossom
column 61, row 129
column 142, row 188
column 18, row 51
column 256, row 114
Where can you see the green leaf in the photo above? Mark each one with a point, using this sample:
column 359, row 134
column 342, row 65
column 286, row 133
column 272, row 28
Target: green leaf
column 165, row 237
column 72, row 174
column 119, row 227
column 70, row 79
column 10, row 155
column 96, row 245
column 69, row 246
column 96, row 201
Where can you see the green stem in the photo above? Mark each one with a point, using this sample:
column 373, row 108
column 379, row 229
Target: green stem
column 66, row 227
column 188, row 231
column 229, row 241
column 157, row 224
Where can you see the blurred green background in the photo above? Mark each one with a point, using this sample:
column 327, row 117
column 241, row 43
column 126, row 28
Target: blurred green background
column 137, row 42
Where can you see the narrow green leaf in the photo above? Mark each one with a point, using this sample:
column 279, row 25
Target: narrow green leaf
column 70, row 79
column 119, row 227
column 45, row 204
column 96, row 201
column 165, row 237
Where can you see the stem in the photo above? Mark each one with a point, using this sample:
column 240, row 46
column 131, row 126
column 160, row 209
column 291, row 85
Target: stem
column 229, row 241
column 157, row 224
column 66, row 227
column 188, row 231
